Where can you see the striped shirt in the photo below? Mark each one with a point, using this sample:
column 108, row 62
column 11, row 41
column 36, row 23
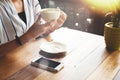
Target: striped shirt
column 11, row 24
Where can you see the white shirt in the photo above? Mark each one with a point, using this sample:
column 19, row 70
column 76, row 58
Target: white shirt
column 11, row 24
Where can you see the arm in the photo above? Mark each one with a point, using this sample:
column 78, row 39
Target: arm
column 35, row 31
column 9, row 46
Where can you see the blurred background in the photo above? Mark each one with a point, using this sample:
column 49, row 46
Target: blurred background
column 81, row 15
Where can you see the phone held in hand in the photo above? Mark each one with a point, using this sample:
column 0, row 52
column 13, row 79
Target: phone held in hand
column 47, row 64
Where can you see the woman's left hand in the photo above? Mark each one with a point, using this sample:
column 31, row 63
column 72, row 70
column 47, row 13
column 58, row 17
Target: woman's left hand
column 59, row 22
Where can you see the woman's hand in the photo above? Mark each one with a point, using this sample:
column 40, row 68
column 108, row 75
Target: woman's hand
column 59, row 22
column 38, row 29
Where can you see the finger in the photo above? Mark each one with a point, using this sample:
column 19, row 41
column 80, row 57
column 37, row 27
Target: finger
column 60, row 22
column 63, row 15
column 50, row 23
column 52, row 26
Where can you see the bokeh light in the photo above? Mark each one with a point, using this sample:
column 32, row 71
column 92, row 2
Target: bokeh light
column 103, row 6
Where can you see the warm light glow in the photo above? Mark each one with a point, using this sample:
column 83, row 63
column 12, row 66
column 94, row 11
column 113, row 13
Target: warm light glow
column 103, row 5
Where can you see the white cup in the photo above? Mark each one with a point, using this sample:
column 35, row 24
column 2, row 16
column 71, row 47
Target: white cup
column 50, row 13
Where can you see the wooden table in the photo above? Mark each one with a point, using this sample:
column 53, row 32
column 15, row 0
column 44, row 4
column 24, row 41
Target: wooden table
column 86, row 59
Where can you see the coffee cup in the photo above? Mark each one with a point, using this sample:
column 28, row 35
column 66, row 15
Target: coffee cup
column 49, row 14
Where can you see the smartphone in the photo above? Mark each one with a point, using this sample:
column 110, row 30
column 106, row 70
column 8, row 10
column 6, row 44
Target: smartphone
column 47, row 64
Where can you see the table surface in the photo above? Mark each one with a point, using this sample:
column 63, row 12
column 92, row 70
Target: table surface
column 86, row 59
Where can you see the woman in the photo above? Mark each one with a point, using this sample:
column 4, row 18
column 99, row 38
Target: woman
column 20, row 23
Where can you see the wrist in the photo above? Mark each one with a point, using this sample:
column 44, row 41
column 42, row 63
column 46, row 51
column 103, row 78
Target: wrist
column 18, row 40
column 24, row 38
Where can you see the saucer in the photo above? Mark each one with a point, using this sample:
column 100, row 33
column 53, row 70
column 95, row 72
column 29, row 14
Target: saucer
column 53, row 49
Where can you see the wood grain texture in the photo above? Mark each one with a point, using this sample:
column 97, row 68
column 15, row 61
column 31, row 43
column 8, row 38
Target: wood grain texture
column 108, row 69
column 18, row 59
column 86, row 59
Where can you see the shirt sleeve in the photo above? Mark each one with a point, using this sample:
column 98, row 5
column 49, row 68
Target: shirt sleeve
column 0, row 32
column 37, row 8
column 3, row 37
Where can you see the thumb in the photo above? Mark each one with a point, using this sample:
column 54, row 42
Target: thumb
column 52, row 22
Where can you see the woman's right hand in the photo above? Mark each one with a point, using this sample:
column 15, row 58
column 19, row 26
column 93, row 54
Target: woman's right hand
column 38, row 29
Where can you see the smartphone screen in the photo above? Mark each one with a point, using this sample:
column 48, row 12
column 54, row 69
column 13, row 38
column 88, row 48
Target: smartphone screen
column 47, row 62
